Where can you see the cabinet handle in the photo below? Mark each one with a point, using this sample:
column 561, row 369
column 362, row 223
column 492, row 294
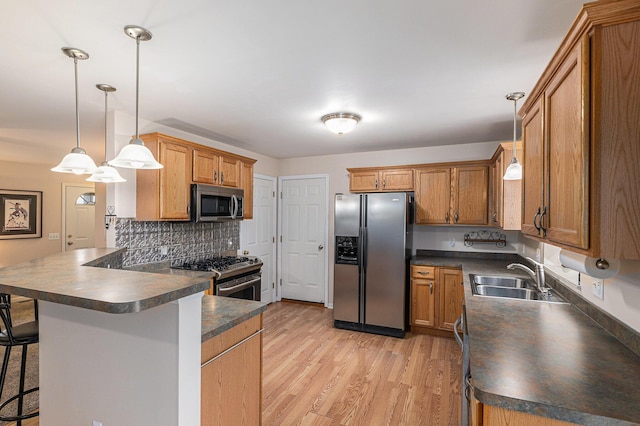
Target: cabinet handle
column 495, row 217
column 376, row 183
column 424, row 273
column 221, row 178
column 446, row 217
column 215, row 176
column 544, row 230
column 535, row 218
column 431, row 288
column 455, row 216
column 384, row 184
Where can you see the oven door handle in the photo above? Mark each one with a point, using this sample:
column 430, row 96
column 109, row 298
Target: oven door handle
column 241, row 285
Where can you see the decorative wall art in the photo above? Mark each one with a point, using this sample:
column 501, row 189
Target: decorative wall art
column 20, row 214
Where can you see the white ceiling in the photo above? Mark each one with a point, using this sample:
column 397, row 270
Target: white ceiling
column 260, row 74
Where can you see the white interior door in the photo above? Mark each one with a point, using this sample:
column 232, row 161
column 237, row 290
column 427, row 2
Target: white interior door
column 258, row 236
column 79, row 216
column 303, row 233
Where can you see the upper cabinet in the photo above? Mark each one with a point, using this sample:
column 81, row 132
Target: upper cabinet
column 580, row 136
column 453, row 194
column 214, row 168
column 380, row 180
column 164, row 194
column 505, row 196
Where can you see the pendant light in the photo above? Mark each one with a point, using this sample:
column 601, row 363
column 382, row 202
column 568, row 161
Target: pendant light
column 341, row 122
column 77, row 162
column 135, row 155
column 514, row 171
column 106, row 173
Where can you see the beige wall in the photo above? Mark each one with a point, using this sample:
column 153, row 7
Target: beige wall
column 35, row 177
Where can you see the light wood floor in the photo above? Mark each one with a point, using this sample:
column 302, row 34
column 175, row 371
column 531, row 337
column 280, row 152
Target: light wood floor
column 315, row 374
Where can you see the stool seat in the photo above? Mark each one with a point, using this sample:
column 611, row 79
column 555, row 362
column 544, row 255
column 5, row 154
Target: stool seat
column 23, row 334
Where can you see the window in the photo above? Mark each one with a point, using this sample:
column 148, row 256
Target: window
column 88, row 198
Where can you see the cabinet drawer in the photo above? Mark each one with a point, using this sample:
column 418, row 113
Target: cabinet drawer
column 423, row 271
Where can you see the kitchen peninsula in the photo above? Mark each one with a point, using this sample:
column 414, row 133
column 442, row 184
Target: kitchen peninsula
column 120, row 347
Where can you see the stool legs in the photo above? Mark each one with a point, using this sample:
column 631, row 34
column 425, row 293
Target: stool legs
column 21, row 392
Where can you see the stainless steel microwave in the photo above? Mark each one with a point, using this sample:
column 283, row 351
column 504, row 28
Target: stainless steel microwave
column 216, row 203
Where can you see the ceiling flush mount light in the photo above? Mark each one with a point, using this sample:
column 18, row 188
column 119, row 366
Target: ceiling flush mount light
column 77, row 162
column 135, row 155
column 514, row 171
column 341, row 122
column 106, row 173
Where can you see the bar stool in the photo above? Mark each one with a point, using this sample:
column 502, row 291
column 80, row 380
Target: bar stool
column 10, row 336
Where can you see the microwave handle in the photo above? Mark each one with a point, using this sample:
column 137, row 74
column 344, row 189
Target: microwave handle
column 234, row 206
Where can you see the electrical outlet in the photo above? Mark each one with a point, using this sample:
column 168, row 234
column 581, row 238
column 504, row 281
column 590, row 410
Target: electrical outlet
column 598, row 288
column 164, row 250
column 54, row 236
column 538, row 255
column 452, row 242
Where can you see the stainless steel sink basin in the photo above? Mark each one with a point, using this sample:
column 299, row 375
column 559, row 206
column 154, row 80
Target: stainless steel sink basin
column 511, row 288
column 511, row 292
column 500, row 281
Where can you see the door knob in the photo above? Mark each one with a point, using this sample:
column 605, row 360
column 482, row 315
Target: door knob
column 70, row 243
column 320, row 247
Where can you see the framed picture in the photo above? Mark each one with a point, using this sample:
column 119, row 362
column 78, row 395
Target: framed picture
column 20, row 214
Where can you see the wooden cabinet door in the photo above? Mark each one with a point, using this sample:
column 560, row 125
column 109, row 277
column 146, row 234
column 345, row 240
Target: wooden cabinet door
column 229, row 172
column 246, row 183
column 433, row 196
column 469, row 196
column 423, row 302
column 497, row 215
column 397, row 179
column 230, row 392
column 533, row 161
column 451, row 294
column 175, row 180
column 205, row 166
column 363, row 181
column 567, row 157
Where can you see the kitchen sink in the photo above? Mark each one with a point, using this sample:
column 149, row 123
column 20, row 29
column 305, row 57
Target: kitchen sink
column 511, row 288
column 500, row 281
column 511, row 292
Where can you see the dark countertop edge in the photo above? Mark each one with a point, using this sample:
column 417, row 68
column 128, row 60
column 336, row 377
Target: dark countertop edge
column 458, row 259
column 228, row 323
column 108, row 307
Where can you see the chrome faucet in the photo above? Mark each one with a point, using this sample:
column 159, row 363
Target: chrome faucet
column 537, row 276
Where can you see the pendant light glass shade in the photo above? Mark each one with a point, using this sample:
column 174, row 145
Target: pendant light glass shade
column 341, row 122
column 514, row 171
column 135, row 155
column 77, row 162
column 106, row 173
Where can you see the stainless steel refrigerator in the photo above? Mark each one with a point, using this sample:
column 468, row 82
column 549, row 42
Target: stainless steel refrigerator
column 373, row 247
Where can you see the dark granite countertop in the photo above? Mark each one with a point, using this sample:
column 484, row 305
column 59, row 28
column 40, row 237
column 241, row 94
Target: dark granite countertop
column 222, row 313
column 546, row 359
column 71, row 278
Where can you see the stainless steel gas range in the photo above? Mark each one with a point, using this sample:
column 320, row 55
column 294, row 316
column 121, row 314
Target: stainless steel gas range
column 234, row 276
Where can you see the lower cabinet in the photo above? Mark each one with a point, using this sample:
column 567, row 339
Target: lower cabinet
column 231, row 392
column 436, row 298
column 488, row 415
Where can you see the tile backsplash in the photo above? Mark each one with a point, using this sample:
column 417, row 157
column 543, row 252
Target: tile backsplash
column 177, row 242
